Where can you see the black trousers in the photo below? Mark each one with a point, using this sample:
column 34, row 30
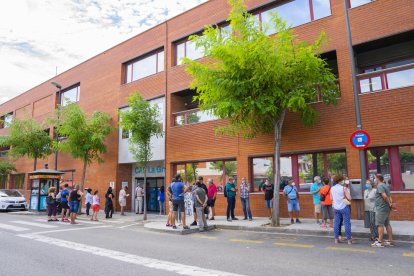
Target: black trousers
column 88, row 207
column 109, row 209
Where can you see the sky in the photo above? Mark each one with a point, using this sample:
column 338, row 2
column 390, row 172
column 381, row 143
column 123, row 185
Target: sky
column 41, row 37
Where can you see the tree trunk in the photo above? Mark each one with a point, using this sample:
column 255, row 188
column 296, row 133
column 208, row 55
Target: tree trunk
column 85, row 164
column 276, row 172
column 145, row 190
column 35, row 164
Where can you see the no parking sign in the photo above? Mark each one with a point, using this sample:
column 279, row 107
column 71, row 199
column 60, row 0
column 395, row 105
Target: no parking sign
column 360, row 139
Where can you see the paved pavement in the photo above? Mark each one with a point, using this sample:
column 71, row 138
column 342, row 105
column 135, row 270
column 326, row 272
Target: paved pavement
column 123, row 246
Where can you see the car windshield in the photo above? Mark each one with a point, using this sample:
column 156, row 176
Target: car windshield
column 10, row 193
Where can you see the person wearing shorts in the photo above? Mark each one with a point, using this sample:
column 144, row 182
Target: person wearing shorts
column 178, row 189
column 292, row 195
column 314, row 190
column 75, row 197
column 95, row 206
column 211, row 194
column 64, row 202
column 268, row 192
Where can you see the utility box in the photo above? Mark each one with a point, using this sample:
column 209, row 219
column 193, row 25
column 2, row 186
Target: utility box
column 356, row 189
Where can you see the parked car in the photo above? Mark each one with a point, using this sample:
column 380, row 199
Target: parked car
column 11, row 200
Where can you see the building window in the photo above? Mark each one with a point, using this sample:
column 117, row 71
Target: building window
column 296, row 13
column 187, row 49
column 70, row 95
column 145, row 66
column 356, row 3
column 6, row 120
column 125, row 134
column 219, row 171
column 391, row 75
column 17, row 181
column 407, row 167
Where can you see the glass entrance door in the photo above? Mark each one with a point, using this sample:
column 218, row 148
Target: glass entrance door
column 152, row 187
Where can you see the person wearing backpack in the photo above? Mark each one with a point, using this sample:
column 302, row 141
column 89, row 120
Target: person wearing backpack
column 292, row 196
column 326, row 202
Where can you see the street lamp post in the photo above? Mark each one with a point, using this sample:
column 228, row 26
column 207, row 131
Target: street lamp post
column 58, row 86
column 363, row 168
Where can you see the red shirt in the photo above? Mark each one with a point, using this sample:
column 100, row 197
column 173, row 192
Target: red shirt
column 212, row 189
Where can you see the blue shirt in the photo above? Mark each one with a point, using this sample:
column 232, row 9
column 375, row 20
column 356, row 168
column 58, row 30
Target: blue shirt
column 161, row 196
column 291, row 192
column 63, row 195
column 316, row 197
column 177, row 189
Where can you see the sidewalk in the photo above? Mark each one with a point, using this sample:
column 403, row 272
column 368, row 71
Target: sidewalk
column 402, row 230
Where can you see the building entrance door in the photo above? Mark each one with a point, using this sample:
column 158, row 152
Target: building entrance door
column 153, row 185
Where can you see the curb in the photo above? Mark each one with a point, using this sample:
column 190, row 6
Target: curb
column 329, row 233
column 180, row 231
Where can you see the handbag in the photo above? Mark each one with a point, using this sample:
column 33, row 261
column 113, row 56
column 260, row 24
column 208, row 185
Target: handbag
column 346, row 200
column 323, row 196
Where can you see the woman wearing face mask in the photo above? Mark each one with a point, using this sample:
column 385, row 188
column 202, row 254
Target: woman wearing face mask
column 341, row 197
column 369, row 204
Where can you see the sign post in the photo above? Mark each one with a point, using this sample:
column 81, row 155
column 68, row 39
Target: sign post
column 360, row 139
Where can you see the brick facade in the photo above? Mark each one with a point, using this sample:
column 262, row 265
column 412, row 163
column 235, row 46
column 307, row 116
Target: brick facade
column 385, row 115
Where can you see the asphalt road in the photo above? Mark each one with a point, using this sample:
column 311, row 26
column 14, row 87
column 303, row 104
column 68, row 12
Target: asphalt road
column 32, row 246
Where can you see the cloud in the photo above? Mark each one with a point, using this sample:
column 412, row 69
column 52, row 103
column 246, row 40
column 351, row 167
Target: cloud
column 38, row 36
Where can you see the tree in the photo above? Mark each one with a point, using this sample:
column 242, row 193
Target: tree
column 254, row 79
column 142, row 120
column 83, row 136
column 27, row 138
column 229, row 166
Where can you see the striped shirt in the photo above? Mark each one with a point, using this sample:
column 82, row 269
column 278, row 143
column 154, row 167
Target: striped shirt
column 245, row 190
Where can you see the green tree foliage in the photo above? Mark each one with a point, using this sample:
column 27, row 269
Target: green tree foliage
column 27, row 138
column 142, row 120
column 230, row 167
column 83, row 136
column 254, row 79
column 6, row 167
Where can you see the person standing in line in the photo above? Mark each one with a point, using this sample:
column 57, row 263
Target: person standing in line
column 178, row 189
column 383, row 207
column 95, row 206
column 314, row 190
column 170, row 206
column 75, row 198
column 245, row 199
column 88, row 200
column 122, row 199
column 292, row 195
column 51, row 204
column 64, row 200
column 268, row 193
column 340, row 198
column 193, row 199
column 200, row 204
column 161, row 200
column 109, row 206
column 212, row 194
column 369, row 207
column 231, row 191
column 139, row 194
column 326, row 201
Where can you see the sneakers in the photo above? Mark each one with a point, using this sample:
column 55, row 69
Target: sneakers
column 389, row 243
column 292, row 221
column 194, row 223
column 229, row 220
column 186, row 227
column 324, row 226
column 235, row 218
column 212, row 218
column 298, row 221
column 174, row 227
column 377, row 244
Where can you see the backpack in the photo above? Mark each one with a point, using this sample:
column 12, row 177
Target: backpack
column 225, row 190
column 323, row 196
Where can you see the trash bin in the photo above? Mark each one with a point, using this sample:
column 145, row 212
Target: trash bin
column 356, row 189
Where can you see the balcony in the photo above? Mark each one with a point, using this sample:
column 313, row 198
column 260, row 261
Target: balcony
column 378, row 79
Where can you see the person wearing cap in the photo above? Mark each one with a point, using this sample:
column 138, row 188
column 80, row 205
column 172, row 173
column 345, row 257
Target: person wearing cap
column 292, row 195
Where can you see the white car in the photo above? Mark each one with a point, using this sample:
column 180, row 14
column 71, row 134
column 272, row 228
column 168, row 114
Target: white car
column 11, row 200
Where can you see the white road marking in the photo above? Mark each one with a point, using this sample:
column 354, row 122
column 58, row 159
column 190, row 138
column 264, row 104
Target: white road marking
column 13, row 228
column 71, row 229
column 125, row 226
column 80, row 221
column 34, row 224
column 130, row 258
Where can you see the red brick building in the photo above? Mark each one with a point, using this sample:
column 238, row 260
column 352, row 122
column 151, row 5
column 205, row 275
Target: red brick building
column 383, row 38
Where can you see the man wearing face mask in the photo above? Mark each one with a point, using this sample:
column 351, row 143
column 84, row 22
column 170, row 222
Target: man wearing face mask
column 292, row 196
column 314, row 190
column 369, row 207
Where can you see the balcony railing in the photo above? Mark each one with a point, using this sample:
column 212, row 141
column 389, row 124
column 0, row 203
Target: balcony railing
column 192, row 116
column 389, row 78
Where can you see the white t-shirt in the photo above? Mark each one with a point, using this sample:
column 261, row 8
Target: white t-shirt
column 122, row 195
column 95, row 200
column 337, row 195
